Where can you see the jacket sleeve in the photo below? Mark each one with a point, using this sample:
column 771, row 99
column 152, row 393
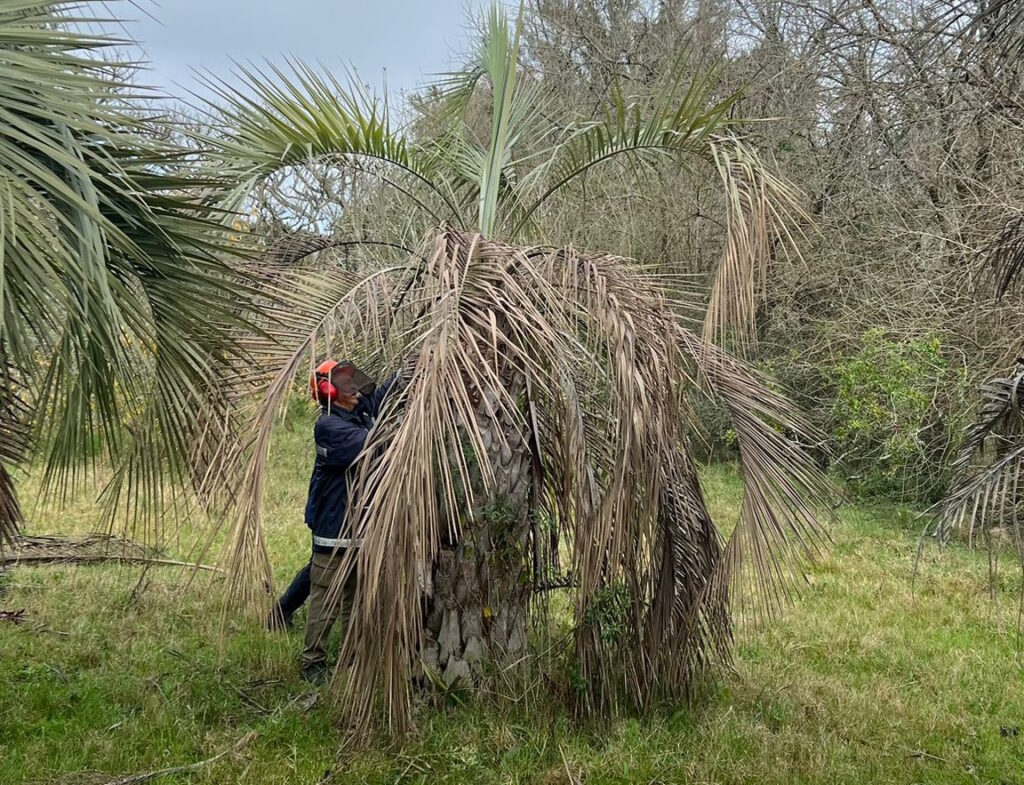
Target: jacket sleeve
column 375, row 399
column 310, row 499
column 338, row 444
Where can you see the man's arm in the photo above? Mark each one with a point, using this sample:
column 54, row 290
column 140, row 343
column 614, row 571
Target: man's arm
column 338, row 443
column 375, row 399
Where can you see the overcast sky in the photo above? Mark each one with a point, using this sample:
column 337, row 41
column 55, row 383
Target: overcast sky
column 405, row 40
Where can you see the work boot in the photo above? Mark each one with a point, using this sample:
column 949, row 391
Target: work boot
column 315, row 674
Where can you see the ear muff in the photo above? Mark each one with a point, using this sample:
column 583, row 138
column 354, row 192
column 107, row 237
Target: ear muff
column 326, row 391
column 320, row 386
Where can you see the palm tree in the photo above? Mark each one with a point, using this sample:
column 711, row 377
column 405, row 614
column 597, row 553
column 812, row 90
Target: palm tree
column 544, row 394
column 113, row 296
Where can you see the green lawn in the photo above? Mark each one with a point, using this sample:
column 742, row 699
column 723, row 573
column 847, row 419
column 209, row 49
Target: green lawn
column 867, row 679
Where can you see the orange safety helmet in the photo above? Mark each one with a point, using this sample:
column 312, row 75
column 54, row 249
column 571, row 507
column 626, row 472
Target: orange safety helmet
column 322, row 388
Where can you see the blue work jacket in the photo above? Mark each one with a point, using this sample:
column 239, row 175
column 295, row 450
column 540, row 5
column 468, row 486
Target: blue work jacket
column 339, row 435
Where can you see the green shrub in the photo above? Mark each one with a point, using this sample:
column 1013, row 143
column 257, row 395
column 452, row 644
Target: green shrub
column 713, row 438
column 889, row 418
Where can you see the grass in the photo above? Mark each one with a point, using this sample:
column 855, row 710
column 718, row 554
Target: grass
column 868, row 679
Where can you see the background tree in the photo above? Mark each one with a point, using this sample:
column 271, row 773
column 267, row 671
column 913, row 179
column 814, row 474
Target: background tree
column 900, row 120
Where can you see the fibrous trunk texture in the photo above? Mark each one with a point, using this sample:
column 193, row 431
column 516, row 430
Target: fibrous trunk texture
column 476, row 617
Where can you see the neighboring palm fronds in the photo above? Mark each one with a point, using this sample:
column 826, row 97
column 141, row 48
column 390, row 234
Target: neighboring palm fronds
column 115, row 303
column 576, row 369
column 987, row 491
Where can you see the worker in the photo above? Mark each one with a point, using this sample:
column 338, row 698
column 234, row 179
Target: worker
column 349, row 402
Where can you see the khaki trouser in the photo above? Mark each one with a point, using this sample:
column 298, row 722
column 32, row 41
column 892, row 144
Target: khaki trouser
column 322, row 613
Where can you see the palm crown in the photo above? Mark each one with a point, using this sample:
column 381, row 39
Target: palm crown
column 495, row 177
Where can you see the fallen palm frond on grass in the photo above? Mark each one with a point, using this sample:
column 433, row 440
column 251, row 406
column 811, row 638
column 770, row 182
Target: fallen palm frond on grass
column 170, row 771
column 14, row 617
column 90, row 549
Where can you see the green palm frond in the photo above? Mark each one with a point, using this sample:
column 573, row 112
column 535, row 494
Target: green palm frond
column 499, row 58
column 117, row 306
column 762, row 209
column 676, row 121
column 284, row 118
column 280, row 119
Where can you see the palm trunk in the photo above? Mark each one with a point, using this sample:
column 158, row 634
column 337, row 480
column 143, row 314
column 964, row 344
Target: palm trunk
column 477, row 615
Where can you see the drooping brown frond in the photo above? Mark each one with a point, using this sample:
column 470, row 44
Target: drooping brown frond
column 783, row 487
column 987, row 494
column 306, row 316
column 417, row 488
column 294, row 248
column 568, row 372
column 762, row 209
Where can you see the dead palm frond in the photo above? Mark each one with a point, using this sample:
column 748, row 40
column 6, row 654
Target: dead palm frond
column 986, row 489
column 573, row 370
